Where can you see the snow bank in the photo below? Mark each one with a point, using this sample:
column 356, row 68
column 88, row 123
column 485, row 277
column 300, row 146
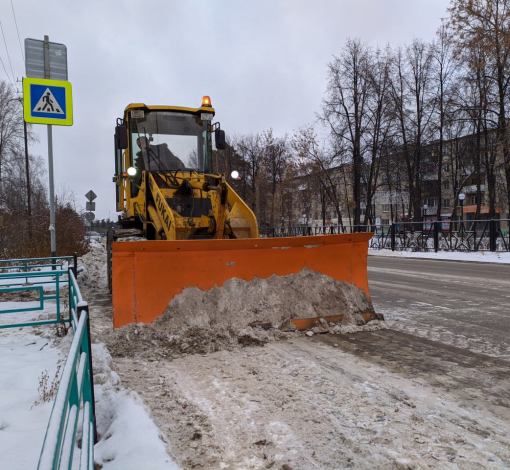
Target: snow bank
column 200, row 322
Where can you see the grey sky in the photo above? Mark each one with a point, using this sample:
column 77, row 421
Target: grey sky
column 262, row 62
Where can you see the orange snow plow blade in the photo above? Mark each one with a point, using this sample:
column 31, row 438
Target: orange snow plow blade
column 146, row 275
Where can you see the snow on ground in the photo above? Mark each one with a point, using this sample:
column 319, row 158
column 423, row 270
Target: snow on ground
column 290, row 404
column 477, row 257
column 295, row 403
column 130, row 439
column 25, row 356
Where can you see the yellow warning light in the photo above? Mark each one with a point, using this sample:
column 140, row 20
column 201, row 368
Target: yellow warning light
column 206, row 101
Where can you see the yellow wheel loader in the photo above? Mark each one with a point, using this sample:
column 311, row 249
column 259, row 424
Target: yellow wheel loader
column 183, row 225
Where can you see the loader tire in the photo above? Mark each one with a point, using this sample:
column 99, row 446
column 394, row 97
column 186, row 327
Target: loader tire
column 119, row 234
column 109, row 239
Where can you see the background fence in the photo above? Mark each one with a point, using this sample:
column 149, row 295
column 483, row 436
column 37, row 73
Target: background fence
column 459, row 235
column 44, row 276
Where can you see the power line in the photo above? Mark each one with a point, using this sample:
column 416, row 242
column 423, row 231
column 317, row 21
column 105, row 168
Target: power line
column 8, row 78
column 8, row 56
column 19, row 39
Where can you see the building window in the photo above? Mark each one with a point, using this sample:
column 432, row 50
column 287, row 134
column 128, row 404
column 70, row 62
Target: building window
column 446, row 203
column 446, row 167
column 473, row 200
column 385, row 221
column 430, row 201
column 385, row 207
column 446, row 184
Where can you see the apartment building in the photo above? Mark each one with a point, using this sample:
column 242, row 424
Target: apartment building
column 467, row 184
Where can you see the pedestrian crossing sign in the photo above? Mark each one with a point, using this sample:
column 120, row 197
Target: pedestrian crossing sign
column 47, row 102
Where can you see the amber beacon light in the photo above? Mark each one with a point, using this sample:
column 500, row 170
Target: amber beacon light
column 206, row 101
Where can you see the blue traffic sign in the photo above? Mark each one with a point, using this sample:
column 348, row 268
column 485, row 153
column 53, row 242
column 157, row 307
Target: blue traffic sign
column 50, row 101
column 47, row 101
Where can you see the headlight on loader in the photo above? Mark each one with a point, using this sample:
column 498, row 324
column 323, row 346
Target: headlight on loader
column 131, row 171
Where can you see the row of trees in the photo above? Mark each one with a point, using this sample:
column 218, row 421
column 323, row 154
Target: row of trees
column 420, row 120
column 24, row 205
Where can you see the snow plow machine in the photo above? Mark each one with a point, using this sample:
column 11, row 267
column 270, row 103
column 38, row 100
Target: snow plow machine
column 183, row 225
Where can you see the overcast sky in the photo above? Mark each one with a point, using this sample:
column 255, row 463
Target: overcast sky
column 263, row 62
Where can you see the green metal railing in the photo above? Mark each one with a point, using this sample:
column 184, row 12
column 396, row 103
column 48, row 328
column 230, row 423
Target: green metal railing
column 18, row 275
column 30, row 265
column 75, row 396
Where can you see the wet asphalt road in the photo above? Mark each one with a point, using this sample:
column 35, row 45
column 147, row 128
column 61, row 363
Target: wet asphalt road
column 466, row 300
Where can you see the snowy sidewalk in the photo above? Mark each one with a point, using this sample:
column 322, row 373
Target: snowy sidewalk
column 502, row 257
column 128, row 437
column 26, row 359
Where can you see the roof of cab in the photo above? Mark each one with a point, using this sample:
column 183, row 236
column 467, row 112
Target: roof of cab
column 204, row 109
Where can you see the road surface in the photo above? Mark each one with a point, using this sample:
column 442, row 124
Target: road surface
column 452, row 301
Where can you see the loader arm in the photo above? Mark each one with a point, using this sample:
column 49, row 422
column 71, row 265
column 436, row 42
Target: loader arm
column 160, row 213
column 198, row 206
column 241, row 221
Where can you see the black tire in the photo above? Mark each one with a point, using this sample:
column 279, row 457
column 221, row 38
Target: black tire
column 109, row 240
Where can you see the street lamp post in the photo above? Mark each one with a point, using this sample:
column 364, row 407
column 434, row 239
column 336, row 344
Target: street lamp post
column 424, row 213
column 462, row 196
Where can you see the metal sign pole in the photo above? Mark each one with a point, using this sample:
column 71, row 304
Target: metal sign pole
column 50, row 155
column 52, row 193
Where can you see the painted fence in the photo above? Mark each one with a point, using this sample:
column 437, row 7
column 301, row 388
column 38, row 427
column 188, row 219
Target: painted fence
column 44, row 276
column 460, row 235
column 74, row 401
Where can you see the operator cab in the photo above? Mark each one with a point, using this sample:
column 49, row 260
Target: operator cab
column 163, row 139
column 166, row 141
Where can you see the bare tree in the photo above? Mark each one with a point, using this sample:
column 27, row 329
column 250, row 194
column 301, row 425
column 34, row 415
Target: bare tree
column 446, row 77
column 379, row 124
column 11, row 132
column 249, row 147
column 412, row 95
column 344, row 109
column 21, row 236
column 485, row 25
column 274, row 162
column 316, row 163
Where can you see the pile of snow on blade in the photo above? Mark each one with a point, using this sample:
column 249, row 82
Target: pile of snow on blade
column 199, row 321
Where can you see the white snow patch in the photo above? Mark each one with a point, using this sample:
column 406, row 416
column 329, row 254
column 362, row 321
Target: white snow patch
column 24, row 358
column 479, row 256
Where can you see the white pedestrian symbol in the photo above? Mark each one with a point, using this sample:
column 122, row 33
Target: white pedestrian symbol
column 47, row 104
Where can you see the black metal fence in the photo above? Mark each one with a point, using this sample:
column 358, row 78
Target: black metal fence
column 458, row 235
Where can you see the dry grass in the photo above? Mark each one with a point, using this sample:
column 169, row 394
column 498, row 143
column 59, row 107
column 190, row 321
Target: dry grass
column 47, row 392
